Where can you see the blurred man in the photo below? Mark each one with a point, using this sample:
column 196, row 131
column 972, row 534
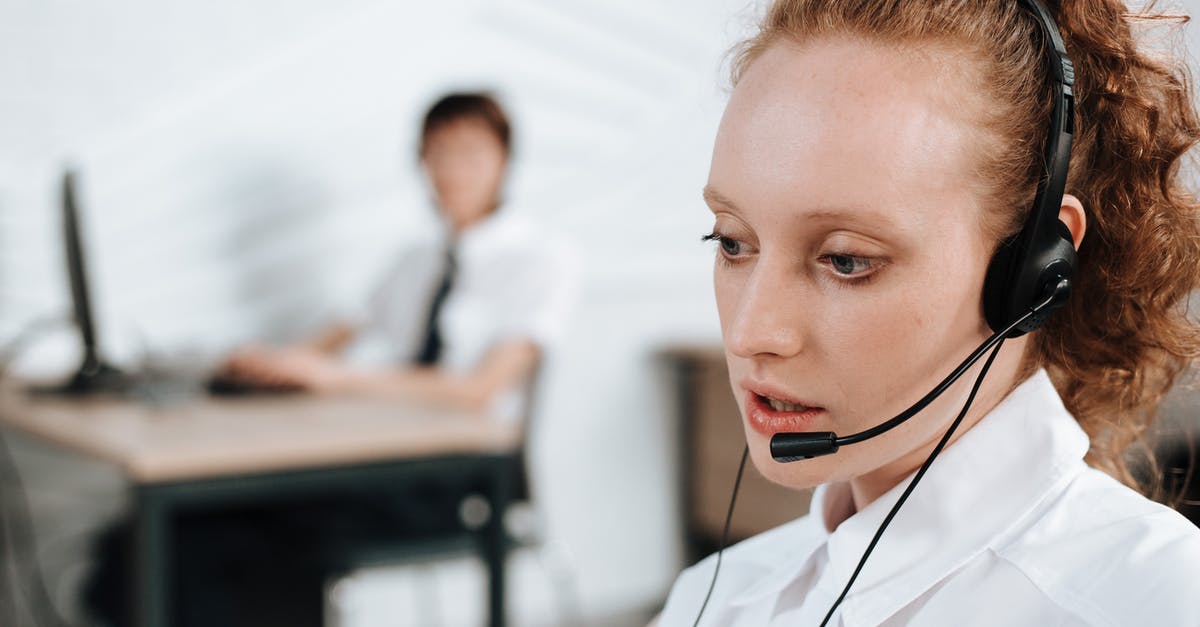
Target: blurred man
column 461, row 319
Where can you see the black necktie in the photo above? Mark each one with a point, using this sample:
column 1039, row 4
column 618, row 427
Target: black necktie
column 431, row 346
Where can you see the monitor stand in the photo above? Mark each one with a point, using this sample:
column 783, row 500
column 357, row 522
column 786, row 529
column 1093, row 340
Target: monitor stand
column 94, row 377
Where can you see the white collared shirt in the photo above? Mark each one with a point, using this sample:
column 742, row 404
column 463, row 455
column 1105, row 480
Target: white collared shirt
column 513, row 281
column 1008, row 527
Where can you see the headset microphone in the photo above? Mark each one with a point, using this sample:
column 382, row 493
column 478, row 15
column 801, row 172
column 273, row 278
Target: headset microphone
column 791, row 447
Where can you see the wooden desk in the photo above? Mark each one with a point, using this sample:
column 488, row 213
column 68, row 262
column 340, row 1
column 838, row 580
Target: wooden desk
column 207, row 452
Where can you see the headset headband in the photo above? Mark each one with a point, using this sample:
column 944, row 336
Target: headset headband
column 1032, row 262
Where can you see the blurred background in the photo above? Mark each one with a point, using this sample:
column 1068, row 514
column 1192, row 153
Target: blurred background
column 248, row 168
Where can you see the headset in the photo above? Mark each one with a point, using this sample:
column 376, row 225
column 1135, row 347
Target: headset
column 1027, row 280
column 1029, row 276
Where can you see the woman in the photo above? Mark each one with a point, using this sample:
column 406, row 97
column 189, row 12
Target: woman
column 872, row 158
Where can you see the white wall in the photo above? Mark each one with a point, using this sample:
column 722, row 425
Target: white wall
column 248, row 166
column 1192, row 32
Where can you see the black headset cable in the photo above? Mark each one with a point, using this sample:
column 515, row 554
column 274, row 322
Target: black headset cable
column 908, row 490
column 724, row 534
column 886, row 521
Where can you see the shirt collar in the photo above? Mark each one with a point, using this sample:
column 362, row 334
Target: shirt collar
column 496, row 228
column 975, row 490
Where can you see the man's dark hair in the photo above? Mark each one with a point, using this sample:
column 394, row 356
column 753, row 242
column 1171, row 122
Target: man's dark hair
column 480, row 105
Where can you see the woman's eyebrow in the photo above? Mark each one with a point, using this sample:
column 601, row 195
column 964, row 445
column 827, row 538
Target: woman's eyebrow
column 866, row 215
column 716, row 199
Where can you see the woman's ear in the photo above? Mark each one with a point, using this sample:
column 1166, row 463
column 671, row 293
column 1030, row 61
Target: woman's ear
column 1072, row 215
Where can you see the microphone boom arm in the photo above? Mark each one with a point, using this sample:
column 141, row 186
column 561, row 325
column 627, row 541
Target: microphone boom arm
column 790, row 447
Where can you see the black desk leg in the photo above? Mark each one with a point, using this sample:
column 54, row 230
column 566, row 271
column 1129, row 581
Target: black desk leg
column 151, row 560
column 495, row 546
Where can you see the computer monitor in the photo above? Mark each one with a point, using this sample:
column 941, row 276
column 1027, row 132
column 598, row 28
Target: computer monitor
column 94, row 373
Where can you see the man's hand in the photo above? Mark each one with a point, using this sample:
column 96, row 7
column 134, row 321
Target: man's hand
column 305, row 368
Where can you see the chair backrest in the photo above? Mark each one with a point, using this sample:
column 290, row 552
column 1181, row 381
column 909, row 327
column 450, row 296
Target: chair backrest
column 521, row 484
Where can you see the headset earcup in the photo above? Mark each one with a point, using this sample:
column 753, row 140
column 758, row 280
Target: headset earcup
column 997, row 287
column 1004, row 300
column 1063, row 260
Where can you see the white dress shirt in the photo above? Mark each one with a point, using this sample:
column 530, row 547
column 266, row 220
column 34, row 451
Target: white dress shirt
column 514, row 281
column 1008, row 527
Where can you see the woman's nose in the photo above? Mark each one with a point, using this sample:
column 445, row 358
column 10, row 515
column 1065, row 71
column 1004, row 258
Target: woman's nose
column 768, row 319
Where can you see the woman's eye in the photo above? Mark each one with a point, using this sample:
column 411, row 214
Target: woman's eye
column 849, row 265
column 729, row 247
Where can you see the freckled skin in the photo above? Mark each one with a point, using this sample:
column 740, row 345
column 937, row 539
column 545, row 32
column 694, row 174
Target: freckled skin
column 844, row 146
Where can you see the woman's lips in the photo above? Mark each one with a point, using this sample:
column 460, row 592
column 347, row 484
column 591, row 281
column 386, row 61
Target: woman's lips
column 768, row 421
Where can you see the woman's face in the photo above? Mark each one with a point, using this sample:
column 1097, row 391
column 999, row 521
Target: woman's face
column 465, row 163
column 850, row 267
